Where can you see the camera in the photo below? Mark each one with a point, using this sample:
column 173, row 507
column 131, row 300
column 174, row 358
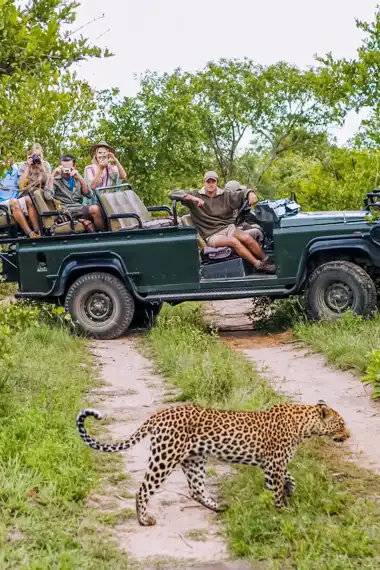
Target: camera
column 66, row 170
column 36, row 159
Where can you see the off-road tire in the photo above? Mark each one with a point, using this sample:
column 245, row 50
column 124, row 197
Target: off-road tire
column 94, row 290
column 353, row 287
column 145, row 315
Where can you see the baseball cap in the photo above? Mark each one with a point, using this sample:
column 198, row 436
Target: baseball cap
column 210, row 174
column 233, row 185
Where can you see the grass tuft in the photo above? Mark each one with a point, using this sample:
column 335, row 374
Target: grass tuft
column 346, row 342
column 207, row 372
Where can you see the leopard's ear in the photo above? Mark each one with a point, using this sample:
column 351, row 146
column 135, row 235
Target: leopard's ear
column 323, row 409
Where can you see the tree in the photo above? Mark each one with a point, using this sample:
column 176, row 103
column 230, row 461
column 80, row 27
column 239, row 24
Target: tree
column 35, row 42
column 328, row 178
column 279, row 106
column 38, row 92
column 182, row 123
column 55, row 116
column 288, row 109
column 354, row 84
column 157, row 135
column 220, row 98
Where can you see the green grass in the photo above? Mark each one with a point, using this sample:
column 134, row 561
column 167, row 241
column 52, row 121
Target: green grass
column 205, row 370
column 46, row 472
column 345, row 342
column 333, row 520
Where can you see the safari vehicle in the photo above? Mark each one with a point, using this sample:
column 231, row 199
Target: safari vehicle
column 120, row 277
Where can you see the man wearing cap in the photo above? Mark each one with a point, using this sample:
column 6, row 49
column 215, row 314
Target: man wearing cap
column 105, row 169
column 234, row 186
column 254, row 229
column 212, row 211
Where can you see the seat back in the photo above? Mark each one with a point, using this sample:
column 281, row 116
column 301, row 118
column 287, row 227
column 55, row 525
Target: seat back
column 137, row 205
column 116, row 203
column 106, row 202
column 50, row 223
column 43, row 206
column 187, row 221
column 4, row 221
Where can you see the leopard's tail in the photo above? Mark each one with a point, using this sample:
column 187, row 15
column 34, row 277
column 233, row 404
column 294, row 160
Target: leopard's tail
column 139, row 434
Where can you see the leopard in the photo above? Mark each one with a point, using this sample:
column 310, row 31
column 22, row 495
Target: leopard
column 185, row 435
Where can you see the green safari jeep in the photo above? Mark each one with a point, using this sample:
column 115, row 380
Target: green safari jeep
column 119, row 278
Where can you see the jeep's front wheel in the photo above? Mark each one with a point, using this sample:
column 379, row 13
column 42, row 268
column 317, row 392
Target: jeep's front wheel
column 100, row 305
column 338, row 286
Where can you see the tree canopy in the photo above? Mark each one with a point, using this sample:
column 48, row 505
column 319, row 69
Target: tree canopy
column 265, row 125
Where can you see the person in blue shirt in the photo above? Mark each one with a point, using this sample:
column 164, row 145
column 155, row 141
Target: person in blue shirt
column 18, row 205
column 9, row 181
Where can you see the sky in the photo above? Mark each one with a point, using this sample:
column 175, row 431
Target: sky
column 161, row 35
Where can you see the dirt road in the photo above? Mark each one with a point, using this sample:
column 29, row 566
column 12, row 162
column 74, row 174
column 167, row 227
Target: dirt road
column 186, row 534
column 305, row 377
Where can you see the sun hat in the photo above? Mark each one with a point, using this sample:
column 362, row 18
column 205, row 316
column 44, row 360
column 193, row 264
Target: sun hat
column 98, row 145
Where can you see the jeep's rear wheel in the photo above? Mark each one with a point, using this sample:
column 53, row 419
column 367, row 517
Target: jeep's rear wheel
column 100, row 305
column 336, row 287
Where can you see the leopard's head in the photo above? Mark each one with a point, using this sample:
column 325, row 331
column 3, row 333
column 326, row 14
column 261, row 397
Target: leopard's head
column 329, row 422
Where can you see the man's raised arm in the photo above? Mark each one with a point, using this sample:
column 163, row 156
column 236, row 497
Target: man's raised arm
column 237, row 199
column 186, row 196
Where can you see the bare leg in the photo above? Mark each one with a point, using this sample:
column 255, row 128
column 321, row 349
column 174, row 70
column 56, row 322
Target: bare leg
column 19, row 217
column 32, row 214
column 96, row 215
column 241, row 250
column 249, row 243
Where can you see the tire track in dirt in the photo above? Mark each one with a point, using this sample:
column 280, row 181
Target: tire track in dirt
column 186, row 534
column 305, row 377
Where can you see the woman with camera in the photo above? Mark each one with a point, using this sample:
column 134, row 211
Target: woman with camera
column 105, row 169
column 33, row 174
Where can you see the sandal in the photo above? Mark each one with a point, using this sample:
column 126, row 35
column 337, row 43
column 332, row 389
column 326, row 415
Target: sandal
column 33, row 235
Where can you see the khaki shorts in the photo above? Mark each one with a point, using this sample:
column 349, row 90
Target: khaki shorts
column 225, row 232
column 21, row 201
column 80, row 212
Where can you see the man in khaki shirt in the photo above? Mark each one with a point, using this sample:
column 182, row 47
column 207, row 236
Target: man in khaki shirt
column 212, row 211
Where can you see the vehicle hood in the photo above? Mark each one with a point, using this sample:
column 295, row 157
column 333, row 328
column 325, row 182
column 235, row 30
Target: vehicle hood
column 323, row 218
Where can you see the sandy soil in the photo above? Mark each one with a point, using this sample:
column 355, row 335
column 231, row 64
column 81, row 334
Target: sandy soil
column 186, row 534
column 305, row 377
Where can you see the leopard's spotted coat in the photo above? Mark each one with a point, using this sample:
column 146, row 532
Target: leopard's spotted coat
column 184, row 435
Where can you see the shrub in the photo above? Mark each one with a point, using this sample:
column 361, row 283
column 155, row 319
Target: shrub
column 15, row 317
column 372, row 375
column 278, row 314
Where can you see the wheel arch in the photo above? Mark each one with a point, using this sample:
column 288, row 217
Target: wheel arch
column 356, row 249
column 77, row 265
